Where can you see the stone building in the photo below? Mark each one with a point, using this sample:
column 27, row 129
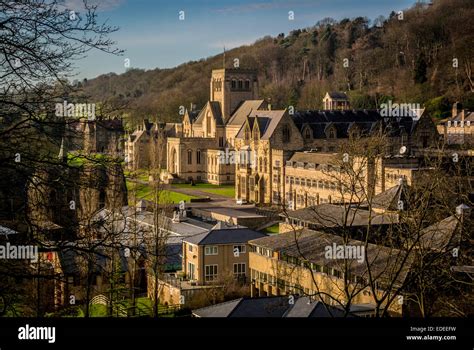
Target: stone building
column 336, row 101
column 146, row 146
column 103, row 135
column 459, row 128
column 272, row 137
column 208, row 134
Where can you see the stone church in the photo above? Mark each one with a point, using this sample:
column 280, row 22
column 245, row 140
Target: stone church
column 210, row 132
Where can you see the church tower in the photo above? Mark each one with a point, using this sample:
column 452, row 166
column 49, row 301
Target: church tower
column 231, row 86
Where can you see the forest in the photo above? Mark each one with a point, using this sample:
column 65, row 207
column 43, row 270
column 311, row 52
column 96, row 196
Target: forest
column 423, row 55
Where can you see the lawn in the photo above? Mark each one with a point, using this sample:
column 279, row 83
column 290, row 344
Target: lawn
column 142, row 191
column 274, row 229
column 224, row 190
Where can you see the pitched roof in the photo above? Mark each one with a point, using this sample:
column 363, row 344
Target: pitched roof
column 216, row 111
column 335, row 95
column 309, row 245
column 267, row 122
column 276, row 306
column 365, row 120
column 246, row 307
column 388, row 200
column 243, row 110
column 332, row 215
column 223, row 234
column 441, row 234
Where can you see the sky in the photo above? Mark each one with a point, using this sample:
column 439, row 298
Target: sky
column 153, row 36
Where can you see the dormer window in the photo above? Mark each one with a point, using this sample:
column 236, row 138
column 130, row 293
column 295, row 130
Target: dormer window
column 332, row 133
column 307, row 134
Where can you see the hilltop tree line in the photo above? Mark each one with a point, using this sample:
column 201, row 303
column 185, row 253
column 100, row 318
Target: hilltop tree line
column 420, row 55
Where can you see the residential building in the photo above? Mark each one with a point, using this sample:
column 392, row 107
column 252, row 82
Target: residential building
column 210, row 256
column 336, row 100
column 296, row 263
column 459, row 128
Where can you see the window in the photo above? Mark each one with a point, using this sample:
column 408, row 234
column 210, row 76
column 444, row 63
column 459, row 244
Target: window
column 221, row 141
column 241, row 84
column 233, row 84
column 247, row 85
column 210, row 250
column 240, row 248
column 210, row 273
column 332, row 134
column 190, row 247
column 190, row 157
column 307, row 134
column 277, row 163
column 239, row 270
column 198, row 157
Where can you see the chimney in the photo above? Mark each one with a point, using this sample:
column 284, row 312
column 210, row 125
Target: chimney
column 456, row 109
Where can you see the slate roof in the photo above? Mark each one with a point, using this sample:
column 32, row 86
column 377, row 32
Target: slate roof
column 442, row 234
column 365, row 120
column 243, row 110
column 267, row 122
column 338, row 95
column 274, row 306
column 388, row 200
column 332, row 215
column 216, row 111
column 384, row 262
column 222, row 234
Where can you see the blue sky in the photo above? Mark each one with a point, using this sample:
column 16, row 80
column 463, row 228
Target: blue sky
column 153, row 36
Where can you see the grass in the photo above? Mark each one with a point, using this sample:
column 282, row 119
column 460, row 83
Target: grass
column 142, row 191
column 224, row 190
column 274, row 229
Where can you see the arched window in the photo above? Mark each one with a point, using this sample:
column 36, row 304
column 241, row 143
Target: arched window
column 241, row 84
column 190, row 157
column 255, row 134
column 233, row 84
column 332, row 134
column 260, row 164
column 247, row 133
column 247, row 84
column 307, row 134
column 265, row 165
column 198, row 157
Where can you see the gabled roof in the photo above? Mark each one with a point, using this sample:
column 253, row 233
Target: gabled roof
column 216, row 111
column 268, row 122
column 276, row 306
column 243, row 110
column 335, row 95
column 223, row 234
column 442, row 234
column 388, row 200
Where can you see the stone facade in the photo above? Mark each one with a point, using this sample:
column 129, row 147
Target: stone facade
column 146, row 147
